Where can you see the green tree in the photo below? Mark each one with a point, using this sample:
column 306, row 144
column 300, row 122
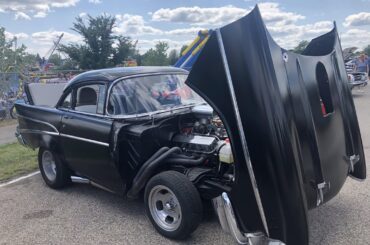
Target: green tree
column 367, row 50
column 183, row 49
column 156, row 56
column 56, row 59
column 10, row 56
column 125, row 48
column 29, row 60
column 173, row 56
column 301, row 47
column 97, row 50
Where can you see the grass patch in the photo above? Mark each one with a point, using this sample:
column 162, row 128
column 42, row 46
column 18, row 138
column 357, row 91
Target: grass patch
column 16, row 159
column 7, row 122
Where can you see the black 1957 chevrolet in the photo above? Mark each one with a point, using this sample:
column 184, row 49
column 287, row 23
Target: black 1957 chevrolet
column 278, row 134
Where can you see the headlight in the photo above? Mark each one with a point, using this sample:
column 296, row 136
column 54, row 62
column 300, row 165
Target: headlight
column 351, row 78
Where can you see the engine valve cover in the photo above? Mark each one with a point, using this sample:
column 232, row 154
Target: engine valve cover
column 195, row 143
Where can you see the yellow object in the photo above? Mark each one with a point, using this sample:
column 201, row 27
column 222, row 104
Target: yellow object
column 191, row 45
column 200, row 46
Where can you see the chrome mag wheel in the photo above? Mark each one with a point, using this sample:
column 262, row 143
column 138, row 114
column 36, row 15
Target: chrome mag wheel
column 49, row 166
column 165, row 208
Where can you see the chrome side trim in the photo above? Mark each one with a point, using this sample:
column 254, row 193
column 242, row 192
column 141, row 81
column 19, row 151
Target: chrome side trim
column 224, row 210
column 38, row 121
column 241, row 130
column 84, row 139
column 36, row 131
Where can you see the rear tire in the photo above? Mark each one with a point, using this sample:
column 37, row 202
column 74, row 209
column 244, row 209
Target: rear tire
column 173, row 205
column 54, row 172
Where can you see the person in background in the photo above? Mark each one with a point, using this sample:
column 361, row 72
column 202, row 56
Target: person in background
column 362, row 64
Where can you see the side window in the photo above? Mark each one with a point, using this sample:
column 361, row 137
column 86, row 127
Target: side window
column 67, row 103
column 90, row 99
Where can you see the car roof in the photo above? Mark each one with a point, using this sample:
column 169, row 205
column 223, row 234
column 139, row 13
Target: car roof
column 111, row 74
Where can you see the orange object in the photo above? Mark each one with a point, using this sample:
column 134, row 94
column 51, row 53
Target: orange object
column 323, row 109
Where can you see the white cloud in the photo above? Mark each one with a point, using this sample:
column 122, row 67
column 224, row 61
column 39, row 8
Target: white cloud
column 199, row 16
column 193, row 31
column 355, row 38
column 21, row 16
column 288, row 36
column 271, row 12
column 62, row 3
column 37, row 8
column 359, row 19
column 48, row 37
column 134, row 25
column 283, row 25
column 95, row 1
column 20, row 35
column 82, row 15
column 40, row 14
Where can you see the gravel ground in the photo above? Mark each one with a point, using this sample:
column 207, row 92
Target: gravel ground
column 31, row 213
column 7, row 134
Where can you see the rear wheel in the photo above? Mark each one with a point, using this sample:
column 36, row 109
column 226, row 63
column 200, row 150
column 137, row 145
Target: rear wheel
column 53, row 170
column 173, row 205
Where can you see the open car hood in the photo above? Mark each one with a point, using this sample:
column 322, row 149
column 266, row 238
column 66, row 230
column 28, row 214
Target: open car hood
column 291, row 121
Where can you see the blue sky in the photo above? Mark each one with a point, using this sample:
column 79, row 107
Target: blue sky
column 37, row 22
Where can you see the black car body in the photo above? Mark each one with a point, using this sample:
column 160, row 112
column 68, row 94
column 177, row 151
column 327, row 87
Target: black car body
column 290, row 119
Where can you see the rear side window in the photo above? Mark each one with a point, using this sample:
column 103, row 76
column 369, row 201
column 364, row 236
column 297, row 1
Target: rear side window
column 90, row 99
column 67, row 102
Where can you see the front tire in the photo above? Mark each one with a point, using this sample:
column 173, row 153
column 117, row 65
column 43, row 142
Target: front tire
column 173, row 204
column 54, row 172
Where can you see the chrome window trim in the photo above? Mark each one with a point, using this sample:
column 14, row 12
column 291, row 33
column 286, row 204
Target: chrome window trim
column 35, row 131
column 38, row 121
column 83, row 113
column 241, row 130
column 84, row 139
column 150, row 114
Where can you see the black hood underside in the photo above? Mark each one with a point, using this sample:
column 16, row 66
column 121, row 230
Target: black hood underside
column 291, row 121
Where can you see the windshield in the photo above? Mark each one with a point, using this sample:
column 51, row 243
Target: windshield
column 149, row 94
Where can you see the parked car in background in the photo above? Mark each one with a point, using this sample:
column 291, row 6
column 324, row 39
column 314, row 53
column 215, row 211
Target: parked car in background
column 357, row 79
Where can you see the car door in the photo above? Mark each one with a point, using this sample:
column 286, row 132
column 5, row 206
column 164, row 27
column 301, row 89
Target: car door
column 85, row 136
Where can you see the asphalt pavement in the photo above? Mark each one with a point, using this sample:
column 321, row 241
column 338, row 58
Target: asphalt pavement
column 31, row 213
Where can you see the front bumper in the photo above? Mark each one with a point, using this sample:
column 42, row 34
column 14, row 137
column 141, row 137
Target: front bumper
column 357, row 84
column 225, row 213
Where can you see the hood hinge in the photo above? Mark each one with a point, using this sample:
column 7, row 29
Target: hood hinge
column 321, row 189
column 352, row 160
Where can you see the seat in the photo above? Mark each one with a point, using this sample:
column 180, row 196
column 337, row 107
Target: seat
column 87, row 96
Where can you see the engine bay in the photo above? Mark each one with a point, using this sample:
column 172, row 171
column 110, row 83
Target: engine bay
column 202, row 149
